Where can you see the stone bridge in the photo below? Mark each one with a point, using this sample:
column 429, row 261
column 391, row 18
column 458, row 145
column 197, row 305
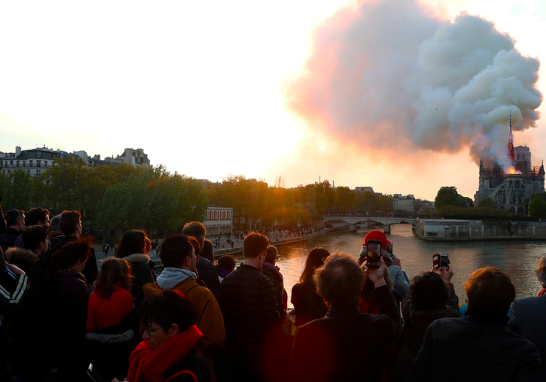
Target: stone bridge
column 354, row 220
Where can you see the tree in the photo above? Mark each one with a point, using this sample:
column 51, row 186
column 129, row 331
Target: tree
column 537, row 208
column 17, row 190
column 487, row 202
column 113, row 209
column 447, row 196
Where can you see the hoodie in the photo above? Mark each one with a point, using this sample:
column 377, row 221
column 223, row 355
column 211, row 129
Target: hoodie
column 171, row 277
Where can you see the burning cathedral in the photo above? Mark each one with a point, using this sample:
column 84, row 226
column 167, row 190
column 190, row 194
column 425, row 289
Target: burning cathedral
column 509, row 187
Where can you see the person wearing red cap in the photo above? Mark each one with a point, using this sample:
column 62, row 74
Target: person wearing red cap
column 399, row 278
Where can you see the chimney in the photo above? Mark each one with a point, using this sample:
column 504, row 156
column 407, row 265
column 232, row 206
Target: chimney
column 17, row 150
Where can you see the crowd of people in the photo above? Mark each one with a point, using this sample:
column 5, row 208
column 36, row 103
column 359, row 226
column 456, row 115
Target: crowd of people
column 201, row 320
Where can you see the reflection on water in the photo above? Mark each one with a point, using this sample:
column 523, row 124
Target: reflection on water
column 518, row 258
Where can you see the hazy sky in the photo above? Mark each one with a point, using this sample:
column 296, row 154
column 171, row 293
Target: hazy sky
column 202, row 88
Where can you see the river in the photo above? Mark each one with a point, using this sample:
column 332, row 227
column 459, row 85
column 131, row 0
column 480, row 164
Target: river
column 518, row 258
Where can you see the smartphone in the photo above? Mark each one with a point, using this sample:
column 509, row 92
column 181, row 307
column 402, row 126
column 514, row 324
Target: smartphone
column 374, row 253
column 93, row 374
column 440, row 260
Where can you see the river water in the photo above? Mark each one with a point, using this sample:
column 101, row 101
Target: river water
column 518, row 258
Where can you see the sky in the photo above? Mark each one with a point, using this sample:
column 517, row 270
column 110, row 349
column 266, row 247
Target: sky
column 207, row 88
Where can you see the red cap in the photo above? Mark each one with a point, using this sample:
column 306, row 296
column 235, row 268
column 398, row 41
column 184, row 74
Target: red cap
column 377, row 235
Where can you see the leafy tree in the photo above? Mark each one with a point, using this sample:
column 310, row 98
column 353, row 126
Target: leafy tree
column 17, row 190
column 537, row 208
column 488, row 203
column 113, row 209
column 447, row 196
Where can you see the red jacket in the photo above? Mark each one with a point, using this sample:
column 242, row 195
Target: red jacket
column 102, row 313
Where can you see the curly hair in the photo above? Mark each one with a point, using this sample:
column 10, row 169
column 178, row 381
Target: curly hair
column 541, row 271
column 70, row 254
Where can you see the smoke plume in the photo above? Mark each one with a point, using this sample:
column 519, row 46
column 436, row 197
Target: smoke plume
column 388, row 73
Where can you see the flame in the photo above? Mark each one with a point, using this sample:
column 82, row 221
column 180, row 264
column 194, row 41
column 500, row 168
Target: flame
column 512, row 170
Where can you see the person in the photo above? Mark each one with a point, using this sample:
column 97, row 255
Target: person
column 249, row 307
column 205, row 268
column 70, row 296
column 167, row 351
column 133, row 248
column 526, row 315
column 308, row 305
column 35, row 216
column 15, row 222
column 540, row 272
column 271, row 270
column 35, row 239
column 55, row 234
column 480, row 341
column 208, row 250
column 346, row 345
column 366, row 299
column 31, row 337
column 71, row 226
column 400, row 281
column 431, row 297
column 179, row 258
column 226, row 265
column 112, row 320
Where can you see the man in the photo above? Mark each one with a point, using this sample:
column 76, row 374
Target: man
column 205, row 269
column 273, row 272
column 35, row 216
column 480, row 342
column 35, row 239
column 179, row 258
column 527, row 319
column 249, row 306
column 346, row 345
column 15, row 221
column 71, row 227
column 55, row 234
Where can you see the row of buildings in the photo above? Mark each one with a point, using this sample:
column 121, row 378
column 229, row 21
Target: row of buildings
column 34, row 161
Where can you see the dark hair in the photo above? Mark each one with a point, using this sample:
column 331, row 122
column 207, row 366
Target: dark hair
column 195, row 229
column 69, row 221
column 340, row 280
column 368, row 286
column 195, row 244
column 428, row 291
column 315, row 259
column 70, row 254
column 490, row 293
column 271, row 254
column 227, row 262
column 12, row 216
column 132, row 242
column 167, row 308
column 174, row 250
column 113, row 272
column 33, row 236
column 208, row 250
column 35, row 215
column 55, row 224
column 254, row 244
column 541, row 271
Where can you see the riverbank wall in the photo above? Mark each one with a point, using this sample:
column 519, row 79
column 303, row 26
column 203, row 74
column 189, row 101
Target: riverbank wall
column 478, row 230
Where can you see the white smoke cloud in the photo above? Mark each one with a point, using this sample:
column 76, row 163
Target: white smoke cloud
column 443, row 86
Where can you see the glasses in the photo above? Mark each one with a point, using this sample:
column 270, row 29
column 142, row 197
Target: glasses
column 150, row 331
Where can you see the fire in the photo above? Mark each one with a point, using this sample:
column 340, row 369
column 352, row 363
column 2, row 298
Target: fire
column 512, row 170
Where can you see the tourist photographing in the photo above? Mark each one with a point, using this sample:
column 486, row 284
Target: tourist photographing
column 133, row 248
column 271, row 270
column 480, row 341
column 112, row 320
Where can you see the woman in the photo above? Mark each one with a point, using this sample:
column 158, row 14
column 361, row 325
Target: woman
column 70, row 297
column 541, row 274
column 112, row 320
column 133, row 248
column 168, row 351
column 308, row 305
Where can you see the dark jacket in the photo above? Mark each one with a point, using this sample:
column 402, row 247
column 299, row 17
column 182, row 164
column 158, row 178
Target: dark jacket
column 142, row 269
column 27, row 329
column 110, row 348
column 308, row 305
column 7, row 240
column 488, row 350
column 191, row 362
column 527, row 319
column 249, row 307
column 275, row 276
column 91, row 268
column 346, row 345
column 207, row 272
column 416, row 323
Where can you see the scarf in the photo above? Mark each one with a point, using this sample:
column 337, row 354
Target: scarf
column 148, row 365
